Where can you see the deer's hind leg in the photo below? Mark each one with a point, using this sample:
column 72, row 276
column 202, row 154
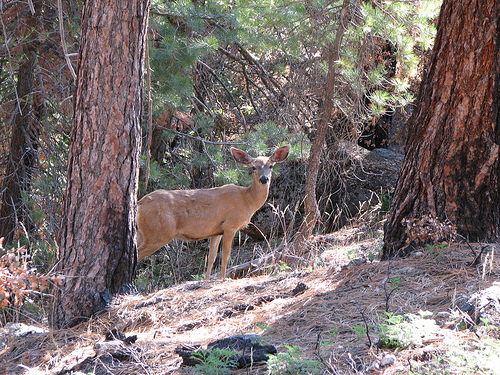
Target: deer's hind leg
column 212, row 254
column 148, row 245
column 226, row 251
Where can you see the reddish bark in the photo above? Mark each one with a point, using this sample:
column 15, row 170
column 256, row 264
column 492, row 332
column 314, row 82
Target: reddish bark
column 96, row 238
column 452, row 167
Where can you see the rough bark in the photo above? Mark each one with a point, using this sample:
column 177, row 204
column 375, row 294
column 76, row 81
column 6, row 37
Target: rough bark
column 96, row 239
column 452, row 166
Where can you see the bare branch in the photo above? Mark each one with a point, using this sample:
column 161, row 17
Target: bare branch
column 203, row 140
column 63, row 39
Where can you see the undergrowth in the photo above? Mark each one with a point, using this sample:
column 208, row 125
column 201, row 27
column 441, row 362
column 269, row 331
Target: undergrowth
column 21, row 284
column 404, row 331
column 291, row 362
column 215, row 362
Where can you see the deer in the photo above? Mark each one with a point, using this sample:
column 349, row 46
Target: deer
column 214, row 213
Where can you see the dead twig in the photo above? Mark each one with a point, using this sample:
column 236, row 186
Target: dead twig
column 63, row 39
column 203, row 140
column 370, row 344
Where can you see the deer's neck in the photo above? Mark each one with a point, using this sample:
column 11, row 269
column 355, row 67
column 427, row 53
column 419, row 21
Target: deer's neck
column 258, row 193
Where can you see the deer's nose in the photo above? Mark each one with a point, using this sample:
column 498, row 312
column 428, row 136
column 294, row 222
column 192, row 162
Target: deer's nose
column 264, row 179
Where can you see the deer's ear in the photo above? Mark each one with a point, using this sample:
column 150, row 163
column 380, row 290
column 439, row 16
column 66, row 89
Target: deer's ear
column 241, row 156
column 280, row 154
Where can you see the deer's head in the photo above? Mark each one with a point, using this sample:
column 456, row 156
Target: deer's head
column 262, row 166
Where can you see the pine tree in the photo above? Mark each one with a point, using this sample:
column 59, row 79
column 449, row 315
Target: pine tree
column 450, row 175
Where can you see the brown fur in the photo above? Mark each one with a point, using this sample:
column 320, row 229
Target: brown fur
column 192, row 215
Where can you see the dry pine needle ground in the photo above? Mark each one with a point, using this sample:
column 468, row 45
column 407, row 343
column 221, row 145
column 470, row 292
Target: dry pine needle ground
column 322, row 311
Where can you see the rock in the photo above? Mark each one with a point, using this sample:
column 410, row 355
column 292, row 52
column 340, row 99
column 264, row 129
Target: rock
column 251, row 351
column 116, row 348
column 186, row 353
column 254, row 288
column 364, row 176
column 355, row 262
column 237, row 342
column 188, row 327
column 246, row 348
column 381, row 169
column 114, row 334
column 374, row 367
column 484, row 304
column 299, row 289
column 20, row 329
column 388, row 360
column 462, row 302
column 373, row 173
column 17, row 330
column 408, row 271
column 237, row 308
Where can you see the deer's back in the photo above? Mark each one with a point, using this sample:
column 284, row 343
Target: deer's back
column 194, row 214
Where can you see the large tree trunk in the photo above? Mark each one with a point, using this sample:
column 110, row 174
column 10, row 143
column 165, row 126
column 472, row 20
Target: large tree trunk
column 451, row 171
column 24, row 138
column 96, row 238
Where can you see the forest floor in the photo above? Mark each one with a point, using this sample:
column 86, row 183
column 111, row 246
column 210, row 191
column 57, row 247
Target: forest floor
column 330, row 319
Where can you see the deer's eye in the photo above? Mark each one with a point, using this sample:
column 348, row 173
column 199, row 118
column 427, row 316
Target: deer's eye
column 254, row 168
column 271, row 166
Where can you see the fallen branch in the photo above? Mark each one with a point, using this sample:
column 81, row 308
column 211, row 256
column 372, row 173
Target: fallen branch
column 254, row 266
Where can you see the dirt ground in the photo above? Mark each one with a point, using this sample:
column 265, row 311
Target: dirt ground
column 332, row 317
